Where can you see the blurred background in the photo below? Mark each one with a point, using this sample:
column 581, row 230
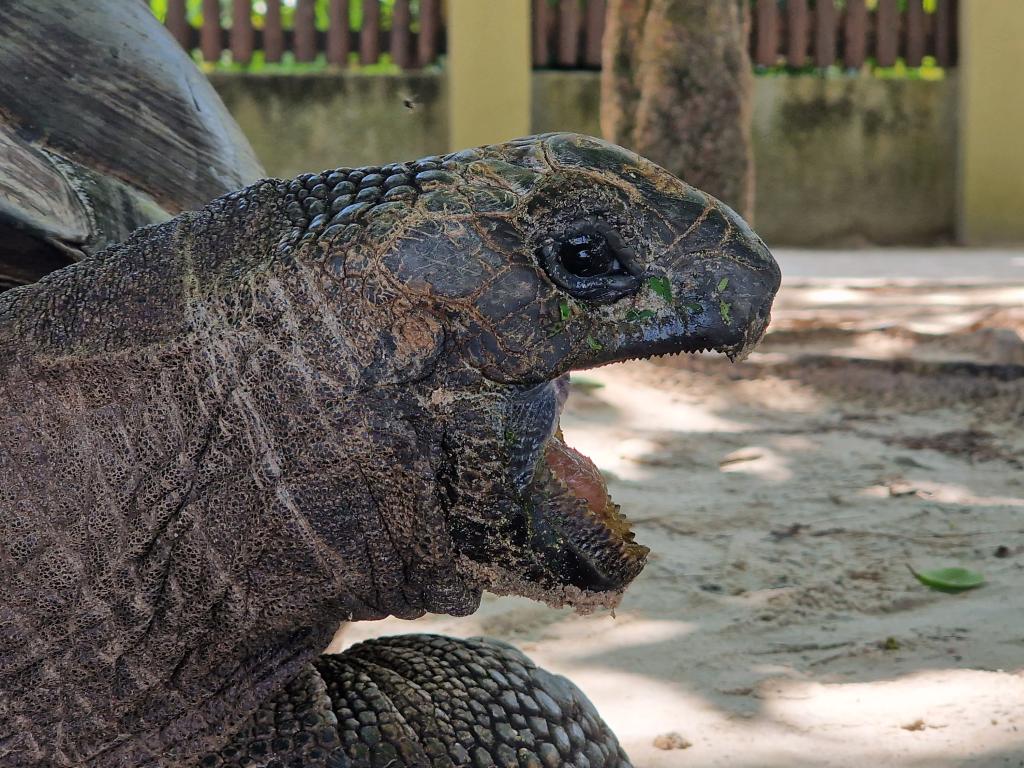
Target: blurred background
column 871, row 122
column 878, row 148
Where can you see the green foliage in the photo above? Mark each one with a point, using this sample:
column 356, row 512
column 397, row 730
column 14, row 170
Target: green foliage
column 929, row 5
column 194, row 12
column 928, row 70
column 288, row 64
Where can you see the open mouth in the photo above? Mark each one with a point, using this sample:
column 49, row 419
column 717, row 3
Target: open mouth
column 576, row 528
column 577, row 531
column 600, row 552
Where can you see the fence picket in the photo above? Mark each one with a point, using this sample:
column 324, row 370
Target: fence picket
column 273, row 32
column 568, row 33
column 177, row 21
column 338, row 34
column 241, row 31
column 305, row 30
column 887, row 33
column 430, row 23
column 767, row 33
column 401, row 17
column 543, row 23
column 825, row 29
column 210, row 42
column 797, row 33
column 855, row 34
column 944, row 30
column 596, row 10
column 915, row 33
column 369, row 35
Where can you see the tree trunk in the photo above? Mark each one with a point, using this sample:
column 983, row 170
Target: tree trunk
column 676, row 87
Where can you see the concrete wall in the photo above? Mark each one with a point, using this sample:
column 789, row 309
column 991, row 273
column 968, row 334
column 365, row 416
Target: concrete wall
column 299, row 123
column 840, row 161
column 855, row 160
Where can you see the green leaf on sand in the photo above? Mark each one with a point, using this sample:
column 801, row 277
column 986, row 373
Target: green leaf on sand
column 723, row 284
column 949, row 579
column 594, row 344
column 564, row 310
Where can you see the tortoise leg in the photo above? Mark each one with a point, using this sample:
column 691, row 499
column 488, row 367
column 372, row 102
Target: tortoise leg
column 425, row 701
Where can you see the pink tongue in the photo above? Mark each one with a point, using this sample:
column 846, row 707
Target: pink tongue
column 580, row 475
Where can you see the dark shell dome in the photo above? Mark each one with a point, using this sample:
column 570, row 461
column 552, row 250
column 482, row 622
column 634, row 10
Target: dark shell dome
column 106, row 125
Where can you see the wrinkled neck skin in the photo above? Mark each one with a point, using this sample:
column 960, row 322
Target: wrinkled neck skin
column 201, row 476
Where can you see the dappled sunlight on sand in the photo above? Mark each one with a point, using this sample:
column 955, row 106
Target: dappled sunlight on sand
column 919, row 719
column 946, row 493
column 762, row 461
column 831, row 295
column 776, row 624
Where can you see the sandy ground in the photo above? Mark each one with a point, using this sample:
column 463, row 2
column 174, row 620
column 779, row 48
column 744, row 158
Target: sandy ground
column 777, row 625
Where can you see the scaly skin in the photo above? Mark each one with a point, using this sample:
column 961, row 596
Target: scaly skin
column 238, row 429
column 422, row 701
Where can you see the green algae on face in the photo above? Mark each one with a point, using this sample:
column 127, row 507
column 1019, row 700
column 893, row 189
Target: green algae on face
column 725, row 310
column 639, row 315
column 564, row 310
column 564, row 315
column 661, row 286
column 724, row 307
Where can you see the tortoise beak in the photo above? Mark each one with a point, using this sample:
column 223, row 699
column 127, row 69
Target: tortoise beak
column 698, row 296
column 726, row 295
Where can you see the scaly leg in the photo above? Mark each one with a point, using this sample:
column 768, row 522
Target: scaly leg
column 425, row 701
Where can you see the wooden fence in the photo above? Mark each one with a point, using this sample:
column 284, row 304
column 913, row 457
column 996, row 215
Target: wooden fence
column 800, row 33
column 567, row 33
column 408, row 49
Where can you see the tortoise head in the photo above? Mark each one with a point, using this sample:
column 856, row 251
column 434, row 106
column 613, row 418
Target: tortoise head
column 516, row 264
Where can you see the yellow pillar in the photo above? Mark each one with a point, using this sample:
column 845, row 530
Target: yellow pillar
column 991, row 205
column 489, row 71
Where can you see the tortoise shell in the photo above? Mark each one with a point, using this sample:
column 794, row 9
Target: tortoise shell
column 106, row 125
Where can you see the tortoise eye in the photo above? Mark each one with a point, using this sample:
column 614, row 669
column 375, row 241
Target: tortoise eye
column 588, row 254
column 591, row 262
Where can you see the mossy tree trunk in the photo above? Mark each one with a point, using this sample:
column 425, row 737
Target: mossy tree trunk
column 677, row 87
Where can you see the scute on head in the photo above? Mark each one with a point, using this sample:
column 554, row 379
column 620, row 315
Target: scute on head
column 568, row 150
